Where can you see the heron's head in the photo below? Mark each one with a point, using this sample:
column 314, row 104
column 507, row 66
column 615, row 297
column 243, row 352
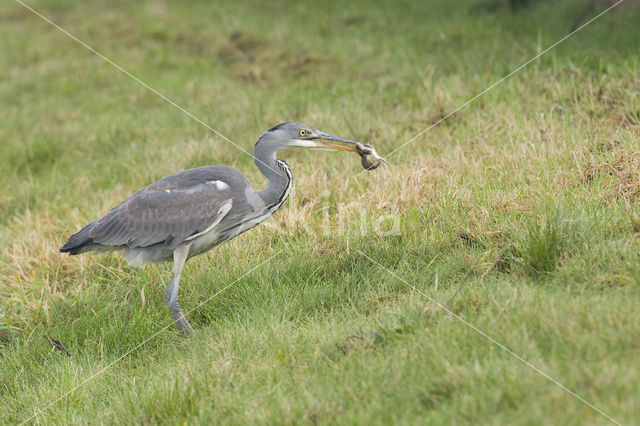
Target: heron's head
column 294, row 135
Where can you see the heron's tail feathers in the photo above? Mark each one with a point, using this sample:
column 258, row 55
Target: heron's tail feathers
column 79, row 242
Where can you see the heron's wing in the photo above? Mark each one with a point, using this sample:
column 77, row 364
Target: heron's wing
column 161, row 215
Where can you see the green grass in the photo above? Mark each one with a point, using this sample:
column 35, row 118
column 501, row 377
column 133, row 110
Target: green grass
column 520, row 214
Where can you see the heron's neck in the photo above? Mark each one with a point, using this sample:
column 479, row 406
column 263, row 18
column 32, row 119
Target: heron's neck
column 278, row 173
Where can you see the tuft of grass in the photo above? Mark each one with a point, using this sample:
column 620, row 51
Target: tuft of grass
column 544, row 244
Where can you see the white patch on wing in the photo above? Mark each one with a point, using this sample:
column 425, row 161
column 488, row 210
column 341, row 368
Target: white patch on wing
column 222, row 212
column 220, row 185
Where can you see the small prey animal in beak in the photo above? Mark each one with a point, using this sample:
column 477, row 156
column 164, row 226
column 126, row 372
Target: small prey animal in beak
column 315, row 139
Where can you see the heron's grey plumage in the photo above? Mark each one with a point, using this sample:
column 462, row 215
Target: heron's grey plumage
column 156, row 214
column 190, row 212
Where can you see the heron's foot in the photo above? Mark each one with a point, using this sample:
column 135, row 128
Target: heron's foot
column 182, row 324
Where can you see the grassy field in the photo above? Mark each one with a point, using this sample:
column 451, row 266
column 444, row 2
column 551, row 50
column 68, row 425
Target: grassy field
column 520, row 214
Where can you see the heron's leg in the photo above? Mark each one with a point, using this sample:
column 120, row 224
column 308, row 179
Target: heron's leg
column 171, row 294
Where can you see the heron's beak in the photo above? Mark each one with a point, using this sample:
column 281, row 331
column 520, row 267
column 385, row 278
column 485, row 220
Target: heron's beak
column 323, row 140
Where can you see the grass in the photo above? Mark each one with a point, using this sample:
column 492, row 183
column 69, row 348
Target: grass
column 519, row 213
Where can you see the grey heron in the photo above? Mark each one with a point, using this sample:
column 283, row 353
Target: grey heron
column 192, row 211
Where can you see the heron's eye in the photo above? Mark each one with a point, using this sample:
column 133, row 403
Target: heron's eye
column 303, row 132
